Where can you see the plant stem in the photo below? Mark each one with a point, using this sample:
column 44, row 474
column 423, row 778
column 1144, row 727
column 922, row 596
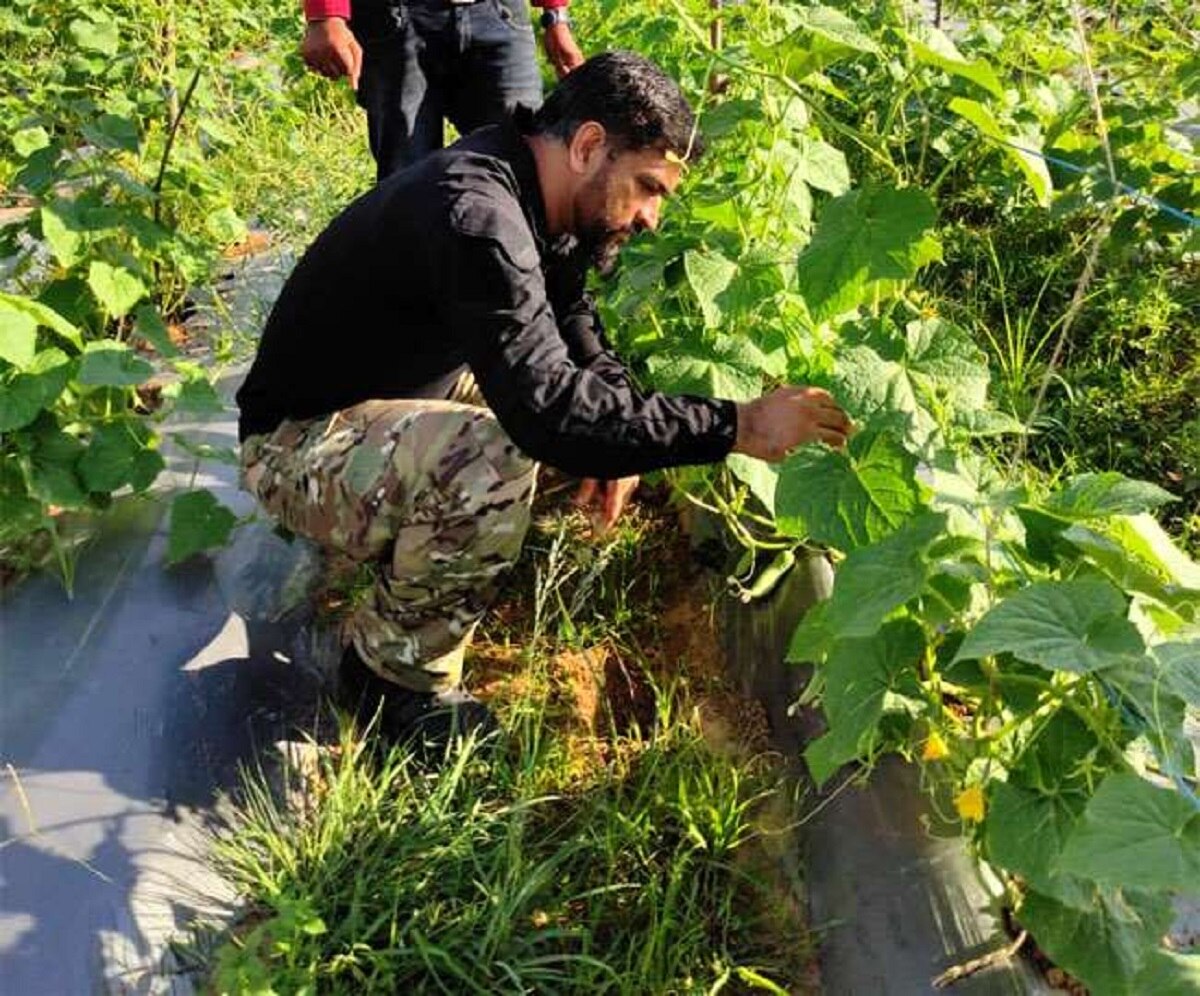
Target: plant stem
column 170, row 143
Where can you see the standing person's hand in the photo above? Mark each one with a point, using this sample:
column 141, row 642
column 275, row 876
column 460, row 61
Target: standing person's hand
column 561, row 50
column 611, row 496
column 330, row 48
column 775, row 424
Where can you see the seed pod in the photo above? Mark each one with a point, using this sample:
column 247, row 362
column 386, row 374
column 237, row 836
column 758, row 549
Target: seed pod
column 772, row 574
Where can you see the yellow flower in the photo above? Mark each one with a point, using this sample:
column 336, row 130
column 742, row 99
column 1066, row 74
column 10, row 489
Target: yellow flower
column 540, row 918
column 935, row 748
column 969, row 803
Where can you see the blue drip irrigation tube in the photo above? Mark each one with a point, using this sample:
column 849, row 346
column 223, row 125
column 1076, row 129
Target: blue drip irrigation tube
column 1138, row 195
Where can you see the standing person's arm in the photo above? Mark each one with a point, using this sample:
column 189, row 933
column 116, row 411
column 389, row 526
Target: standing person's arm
column 562, row 51
column 329, row 46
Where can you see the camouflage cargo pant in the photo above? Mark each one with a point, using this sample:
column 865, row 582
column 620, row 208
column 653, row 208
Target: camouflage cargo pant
column 433, row 495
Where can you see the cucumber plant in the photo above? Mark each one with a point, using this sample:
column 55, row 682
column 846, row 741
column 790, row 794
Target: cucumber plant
column 1031, row 643
column 111, row 112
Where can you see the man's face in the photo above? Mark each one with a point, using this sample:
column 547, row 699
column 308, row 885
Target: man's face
column 622, row 196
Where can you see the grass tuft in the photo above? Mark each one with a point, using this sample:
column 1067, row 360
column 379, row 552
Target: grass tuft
column 600, row 847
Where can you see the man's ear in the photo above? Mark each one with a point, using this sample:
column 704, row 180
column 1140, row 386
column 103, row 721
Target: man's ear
column 587, row 147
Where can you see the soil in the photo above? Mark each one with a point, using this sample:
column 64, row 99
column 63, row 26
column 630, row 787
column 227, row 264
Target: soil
column 607, row 690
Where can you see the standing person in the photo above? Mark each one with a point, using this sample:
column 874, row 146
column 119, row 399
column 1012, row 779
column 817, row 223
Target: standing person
column 469, row 268
column 415, row 64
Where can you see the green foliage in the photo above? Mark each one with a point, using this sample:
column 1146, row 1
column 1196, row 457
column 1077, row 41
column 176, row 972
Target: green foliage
column 198, row 522
column 117, row 118
column 1076, row 625
column 1039, row 635
column 864, row 237
column 859, row 673
column 1107, row 941
column 1133, row 835
column 866, row 493
column 474, row 879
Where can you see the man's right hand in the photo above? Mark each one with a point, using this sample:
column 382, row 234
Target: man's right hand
column 772, row 426
column 330, row 48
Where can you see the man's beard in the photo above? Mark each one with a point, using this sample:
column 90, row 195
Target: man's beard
column 598, row 240
column 602, row 245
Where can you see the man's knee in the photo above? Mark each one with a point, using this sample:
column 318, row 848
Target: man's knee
column 489, row 471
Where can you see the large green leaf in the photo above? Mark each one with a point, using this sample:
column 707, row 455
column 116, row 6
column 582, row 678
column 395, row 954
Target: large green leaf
column 27, row 141
column 835, row 27
column 934, row 369
column 119, row 454
column 858, row 674
column 1027, row 160
column 1062, row 754
column 934, row 48
column 194, row 394
column 18, row 336
column 1124, row 566
column 761, row 477
column 1142, row 538
column 60, row 231
column 1106, row 945
column 1076, row 625
column 816, row 163
column 871, row 583
column 116, row 288
column 872, row 389
column 44, row 315
column 723, row 367
column 112, row 364
column 821, row 36
column 1151, row 702
column 708, row 274
column 113, row 131
column 41, row 170
column 758, row 281
column 863, row 236
column 1089, row 496
column 721, row 119
column 53, row 476
column 1135, row 835
column 99, row 35
column 225, row 226
column 24, row 395
column 202, row 450
column 1025, row 834
column 198, row 522
column 945, row 365
column 1169, row 973
column 1179, row 663
column 847, row 500
column 19, row 513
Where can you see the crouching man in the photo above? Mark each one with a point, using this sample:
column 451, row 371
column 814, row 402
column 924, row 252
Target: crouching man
column 435, row 344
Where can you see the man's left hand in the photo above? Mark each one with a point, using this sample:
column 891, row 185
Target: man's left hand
column 607, row 499
column 561, row 50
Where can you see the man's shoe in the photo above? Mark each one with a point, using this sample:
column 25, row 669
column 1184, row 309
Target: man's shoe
column 427, row 721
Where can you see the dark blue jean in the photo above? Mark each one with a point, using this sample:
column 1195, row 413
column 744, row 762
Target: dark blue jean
column 426, row 61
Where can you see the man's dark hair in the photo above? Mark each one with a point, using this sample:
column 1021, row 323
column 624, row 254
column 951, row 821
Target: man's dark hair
column 638, row 104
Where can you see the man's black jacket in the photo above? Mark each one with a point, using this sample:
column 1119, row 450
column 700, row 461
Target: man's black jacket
column 447, row 263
